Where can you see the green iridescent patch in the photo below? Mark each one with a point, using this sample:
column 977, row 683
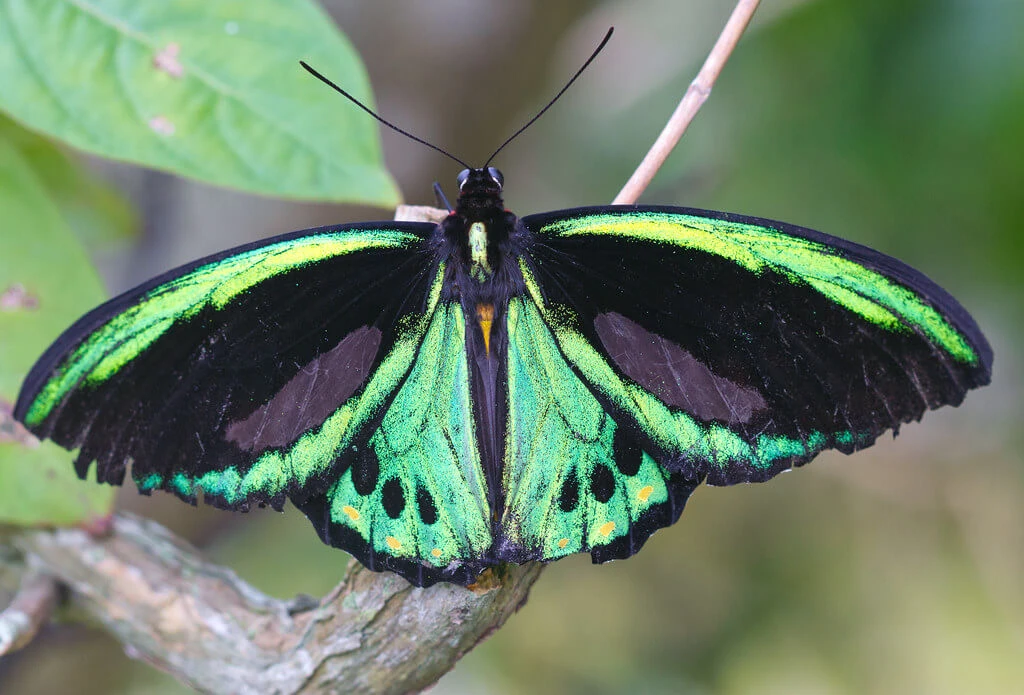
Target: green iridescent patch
column 585, row 500
column 426, row 451
column 862, row 290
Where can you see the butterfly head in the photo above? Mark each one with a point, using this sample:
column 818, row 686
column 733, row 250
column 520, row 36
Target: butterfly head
column 488, row 176
column 480, row 193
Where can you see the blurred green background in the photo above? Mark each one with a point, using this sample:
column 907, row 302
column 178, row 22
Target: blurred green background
column 895, row 123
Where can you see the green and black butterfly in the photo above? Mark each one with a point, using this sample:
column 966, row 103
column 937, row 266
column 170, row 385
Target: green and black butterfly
column 439, row 399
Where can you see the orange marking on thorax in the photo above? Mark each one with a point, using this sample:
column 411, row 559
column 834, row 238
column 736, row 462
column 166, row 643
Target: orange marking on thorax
column 485, row 317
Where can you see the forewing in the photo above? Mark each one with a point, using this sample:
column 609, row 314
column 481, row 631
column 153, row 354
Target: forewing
column 740, row 347
column 414, row 500
column 575, row 480
column 243, row 375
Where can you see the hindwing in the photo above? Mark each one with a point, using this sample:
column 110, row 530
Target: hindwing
column 413, row 499
column 575, row 478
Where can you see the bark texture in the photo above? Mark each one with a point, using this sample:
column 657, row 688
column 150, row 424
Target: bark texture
column 374, row 633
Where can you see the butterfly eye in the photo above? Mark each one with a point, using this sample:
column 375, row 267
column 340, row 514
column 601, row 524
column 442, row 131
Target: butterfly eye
column 496, row 176
column 462, row 178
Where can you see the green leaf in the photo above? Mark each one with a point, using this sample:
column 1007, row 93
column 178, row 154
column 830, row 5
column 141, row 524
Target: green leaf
column 46, row 282
column 97, row 213
column 209, row 90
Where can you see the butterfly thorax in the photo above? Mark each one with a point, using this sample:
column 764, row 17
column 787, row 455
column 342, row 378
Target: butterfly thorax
column 479, row 224
column 481, row 246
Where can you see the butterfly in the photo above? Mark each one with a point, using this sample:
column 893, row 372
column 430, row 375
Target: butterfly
column 438, row 399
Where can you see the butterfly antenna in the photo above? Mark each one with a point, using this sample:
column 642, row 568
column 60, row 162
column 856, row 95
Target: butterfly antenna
column 551, row 103
column 370, row 111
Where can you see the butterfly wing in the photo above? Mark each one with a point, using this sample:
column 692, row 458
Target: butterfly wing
column 733, row 348
column 414, row 500
column 576, row 478
column 216, row 368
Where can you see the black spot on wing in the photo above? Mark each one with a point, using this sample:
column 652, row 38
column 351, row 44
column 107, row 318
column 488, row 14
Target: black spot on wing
column 627, row 452
column 366, row 471
column 393, row 498
column 602, row 483
column 569, row 497
column 426, row 506
column 318, row 509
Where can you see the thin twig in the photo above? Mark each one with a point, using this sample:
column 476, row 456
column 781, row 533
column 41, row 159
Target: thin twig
column 691, row 102
column 28, row 612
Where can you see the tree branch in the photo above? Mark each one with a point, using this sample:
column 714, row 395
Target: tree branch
column 29, row 610
column 693, row 99
column 374, row 633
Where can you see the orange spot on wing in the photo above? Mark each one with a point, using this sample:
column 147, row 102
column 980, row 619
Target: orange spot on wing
column 644, row 493
column 351, row 512
column 606, row 528
column 564, row 542
column 436, row 552
column 393, row 543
